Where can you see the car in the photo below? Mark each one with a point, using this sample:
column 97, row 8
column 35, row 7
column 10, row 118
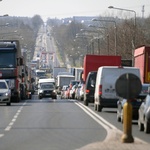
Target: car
column 63, row 90
column 89, row 88
column 47, row 90
column 144, row 115
column 73, row 82
column 136, row 103
column 73, row 91
column 5, row 93
column 67, row 93
column 79, row 93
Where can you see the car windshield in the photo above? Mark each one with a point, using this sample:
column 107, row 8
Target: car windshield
column 3, row 85
column 47, row 86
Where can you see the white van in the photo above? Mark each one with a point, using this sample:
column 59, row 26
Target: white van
column 48, row 80
column 105, row 93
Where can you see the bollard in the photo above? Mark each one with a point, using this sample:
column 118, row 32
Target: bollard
column 127, row 123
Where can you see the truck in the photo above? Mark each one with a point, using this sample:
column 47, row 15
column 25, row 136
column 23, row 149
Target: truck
column 142, row 61
column 90, row 67
column 62, row 80
column 76, row 71
column 93, row 62
column 39, row 74
column 56, row 71
column 11, row 62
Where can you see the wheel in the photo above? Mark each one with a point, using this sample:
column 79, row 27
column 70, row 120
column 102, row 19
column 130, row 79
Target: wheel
column 73, row 96
column 85, row 102
column 99, row 108
column 95, row 107
column 118, row 117
column 30, row 96
column 8, row 104
column 141, row 126
column 122, row 116
column 146, row 126
column 40, row 97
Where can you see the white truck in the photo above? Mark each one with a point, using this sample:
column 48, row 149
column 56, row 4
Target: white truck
column 57, row 70
column 64, row 80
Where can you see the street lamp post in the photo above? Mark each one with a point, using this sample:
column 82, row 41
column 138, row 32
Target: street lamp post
column 115, row 30
column 99, row 37
column 134, row 38
column 92, row 40
column 82, row 36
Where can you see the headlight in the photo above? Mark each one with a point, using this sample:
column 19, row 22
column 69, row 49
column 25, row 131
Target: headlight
column 5, row 94
column 41, row 91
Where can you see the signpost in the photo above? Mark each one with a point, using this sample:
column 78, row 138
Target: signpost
column 128, row 86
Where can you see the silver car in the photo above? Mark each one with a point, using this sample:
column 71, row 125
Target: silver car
column 144, row 115
column 5, row 93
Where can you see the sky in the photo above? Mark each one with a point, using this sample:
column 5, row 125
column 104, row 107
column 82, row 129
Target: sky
column 69, row 8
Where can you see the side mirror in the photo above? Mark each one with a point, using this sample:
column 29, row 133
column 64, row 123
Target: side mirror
column 149, row 90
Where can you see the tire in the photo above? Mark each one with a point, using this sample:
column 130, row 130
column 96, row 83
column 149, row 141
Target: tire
column 40, row 97
column 95, row 107
column 8, row 104
column 140, row 126
column 121, row 116
column 99, row 108
column 146, row 126
column 73, row 96
column 118, row 117
column 85, row 102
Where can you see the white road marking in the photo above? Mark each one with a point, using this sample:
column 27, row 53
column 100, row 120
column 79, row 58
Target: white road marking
column 108, row 126
column 14, row 118
column 1, row 135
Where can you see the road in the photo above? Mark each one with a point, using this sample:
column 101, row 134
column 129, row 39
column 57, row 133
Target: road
column 47, row 124
column 110, row 114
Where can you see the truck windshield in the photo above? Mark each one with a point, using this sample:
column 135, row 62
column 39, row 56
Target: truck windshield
column 7, row 60
column 39, row 74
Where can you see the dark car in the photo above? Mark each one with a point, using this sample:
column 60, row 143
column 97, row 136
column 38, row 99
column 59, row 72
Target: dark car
column 89, row 88
column 47, row 90
column 144, row 115
column 73, row 82
column 136, row 103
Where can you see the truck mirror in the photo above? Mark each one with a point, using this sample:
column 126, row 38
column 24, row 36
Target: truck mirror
column 21, row 61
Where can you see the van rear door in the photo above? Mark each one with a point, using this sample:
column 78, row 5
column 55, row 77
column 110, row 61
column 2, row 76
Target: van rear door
column 109, row 76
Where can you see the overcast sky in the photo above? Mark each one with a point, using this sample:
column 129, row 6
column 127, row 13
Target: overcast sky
column 69, row 8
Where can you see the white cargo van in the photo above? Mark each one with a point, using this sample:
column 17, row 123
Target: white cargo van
column 48, row 80
column 105, row 92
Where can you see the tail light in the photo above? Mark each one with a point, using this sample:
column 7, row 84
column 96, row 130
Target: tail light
column 87, row 91
column 100, row 89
